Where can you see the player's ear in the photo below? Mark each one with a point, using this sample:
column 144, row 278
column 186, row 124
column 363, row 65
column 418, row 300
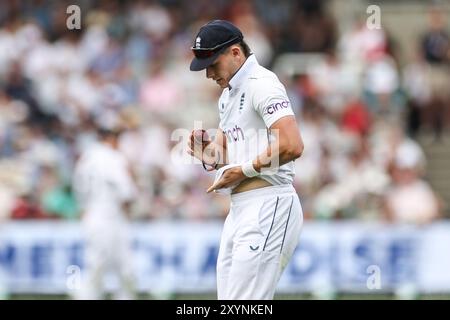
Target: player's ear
column 235, row 51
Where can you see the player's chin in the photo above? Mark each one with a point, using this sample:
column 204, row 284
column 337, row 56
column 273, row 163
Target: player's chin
column 222, row 83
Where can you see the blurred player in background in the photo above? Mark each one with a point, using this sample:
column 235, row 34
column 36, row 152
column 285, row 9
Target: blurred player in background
column 257, row 130
column 105, row 189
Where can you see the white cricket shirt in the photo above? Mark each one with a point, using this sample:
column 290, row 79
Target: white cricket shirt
column 254, row 101
column 102, row 183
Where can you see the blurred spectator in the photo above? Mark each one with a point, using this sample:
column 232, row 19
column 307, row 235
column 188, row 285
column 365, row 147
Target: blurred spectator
column 357, row 185
column 436, row 50
column 159, row 92
column 309, row 29
column 410, row 199
column 436, row 41
column 330, row 80
column 61, row 203
column 7, row 201
column 20, row 88
column 243, row 15
column 382, row 84
column 416, row 84
column 26, row 207
column 360, row 44
column 356, row 118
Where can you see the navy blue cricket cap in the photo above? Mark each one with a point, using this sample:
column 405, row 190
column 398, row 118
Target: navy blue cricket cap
column 212, row 39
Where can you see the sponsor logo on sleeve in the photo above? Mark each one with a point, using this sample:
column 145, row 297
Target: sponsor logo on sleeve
column 274, row 107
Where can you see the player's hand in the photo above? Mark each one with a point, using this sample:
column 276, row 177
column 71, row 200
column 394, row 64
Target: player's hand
column 230, row 177
column 198, row 138
column 197, row 146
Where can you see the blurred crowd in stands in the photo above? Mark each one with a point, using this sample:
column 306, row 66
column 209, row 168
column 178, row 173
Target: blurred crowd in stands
column 359, row 109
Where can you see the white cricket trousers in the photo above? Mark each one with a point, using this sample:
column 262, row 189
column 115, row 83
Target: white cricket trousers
column 259, row 237
column 108, row 249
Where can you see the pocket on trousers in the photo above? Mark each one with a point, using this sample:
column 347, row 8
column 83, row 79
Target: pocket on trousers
column 254, row 259
column 257, row 272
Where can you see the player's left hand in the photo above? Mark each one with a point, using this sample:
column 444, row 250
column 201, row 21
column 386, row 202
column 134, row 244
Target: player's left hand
column 230, row 177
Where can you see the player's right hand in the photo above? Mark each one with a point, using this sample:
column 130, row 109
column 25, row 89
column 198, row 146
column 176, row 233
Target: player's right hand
column 199, row 138
column 200, row 147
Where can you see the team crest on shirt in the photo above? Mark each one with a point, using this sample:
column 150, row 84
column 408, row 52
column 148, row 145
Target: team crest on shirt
column 241, row 104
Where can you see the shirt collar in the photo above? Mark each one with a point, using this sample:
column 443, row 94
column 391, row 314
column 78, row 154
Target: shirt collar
column 243, row 72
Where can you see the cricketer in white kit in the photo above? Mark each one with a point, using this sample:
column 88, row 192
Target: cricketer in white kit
column 105, row 188
column 258, row 139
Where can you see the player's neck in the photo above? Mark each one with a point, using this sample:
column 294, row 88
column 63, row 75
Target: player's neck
column 235, row 72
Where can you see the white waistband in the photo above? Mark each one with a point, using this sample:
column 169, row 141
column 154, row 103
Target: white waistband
column 279, row 190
